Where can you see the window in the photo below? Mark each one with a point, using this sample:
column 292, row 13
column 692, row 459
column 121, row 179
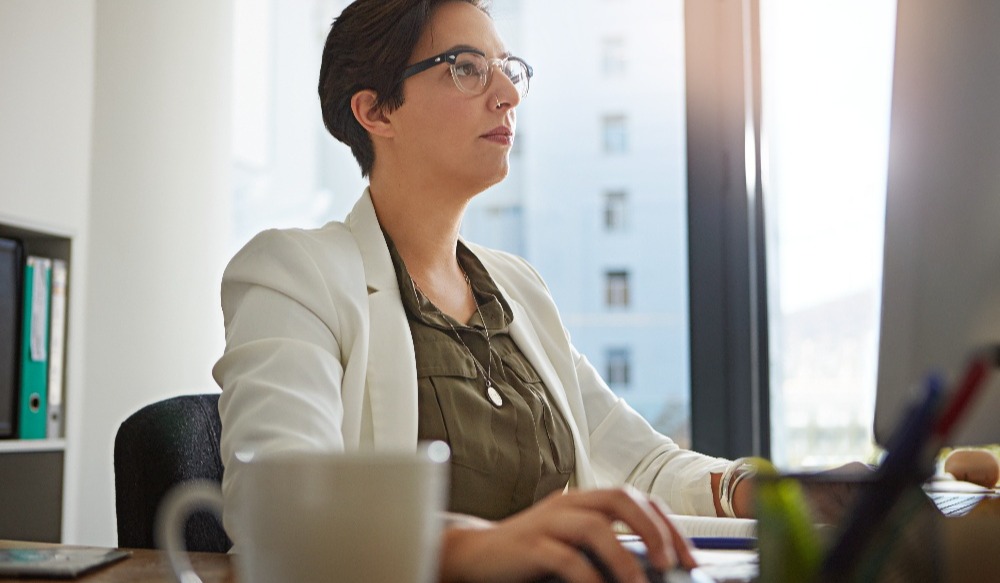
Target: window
column 614, row 210
column 618, row 364
column 616, row 290
column 826, row 126
column 613, row 53
column 615, row 134
column 581, row 120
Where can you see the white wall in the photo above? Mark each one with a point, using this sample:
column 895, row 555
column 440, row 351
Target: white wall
column 114, row 126
column 46, row 99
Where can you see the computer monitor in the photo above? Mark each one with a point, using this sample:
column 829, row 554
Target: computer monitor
column 941, row 269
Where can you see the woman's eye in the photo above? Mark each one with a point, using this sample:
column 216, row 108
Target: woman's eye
column 467, row 69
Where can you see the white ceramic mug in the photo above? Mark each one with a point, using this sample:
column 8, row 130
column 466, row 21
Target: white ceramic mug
column 364, row 517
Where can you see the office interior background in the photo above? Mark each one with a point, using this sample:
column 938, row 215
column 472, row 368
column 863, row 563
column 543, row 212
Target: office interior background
column 161, row 135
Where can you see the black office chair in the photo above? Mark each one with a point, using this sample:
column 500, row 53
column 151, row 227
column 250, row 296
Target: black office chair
column 161, row 445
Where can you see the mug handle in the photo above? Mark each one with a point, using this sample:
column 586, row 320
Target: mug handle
column 179, row 503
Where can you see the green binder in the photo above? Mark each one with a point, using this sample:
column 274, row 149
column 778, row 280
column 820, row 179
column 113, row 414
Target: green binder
column 33, row 406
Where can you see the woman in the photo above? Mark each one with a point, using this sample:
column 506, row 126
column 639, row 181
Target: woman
column 388, row 329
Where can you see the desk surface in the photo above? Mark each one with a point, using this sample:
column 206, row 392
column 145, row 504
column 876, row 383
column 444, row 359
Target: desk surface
column 152, row 566
column 143, row 565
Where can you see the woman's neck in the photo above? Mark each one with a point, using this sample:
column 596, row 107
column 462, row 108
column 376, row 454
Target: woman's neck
column 424, row 227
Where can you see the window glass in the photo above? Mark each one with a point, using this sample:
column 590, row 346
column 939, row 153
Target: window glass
column 826, row 83
column 551, row 208
column 614, row 210
column 615, row 134
column 618, row 364
column 614, row 55
column 616, row 289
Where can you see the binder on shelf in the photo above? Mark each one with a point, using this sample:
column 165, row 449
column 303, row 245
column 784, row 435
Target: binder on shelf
column 10, row 330
column 57, row 351
column 33, row 407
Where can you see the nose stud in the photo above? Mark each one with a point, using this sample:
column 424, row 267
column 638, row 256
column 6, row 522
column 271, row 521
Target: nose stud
column 499, row 105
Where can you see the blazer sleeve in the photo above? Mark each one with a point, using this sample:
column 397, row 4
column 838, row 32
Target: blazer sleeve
column 623, row 447
column 282, row 368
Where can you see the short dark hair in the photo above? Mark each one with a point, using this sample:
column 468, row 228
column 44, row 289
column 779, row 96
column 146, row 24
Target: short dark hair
column 368, row 47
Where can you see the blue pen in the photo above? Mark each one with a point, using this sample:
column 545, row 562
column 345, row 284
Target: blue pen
column 726, row 543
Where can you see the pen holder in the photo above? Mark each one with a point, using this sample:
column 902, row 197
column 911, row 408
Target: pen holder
column 795, row 536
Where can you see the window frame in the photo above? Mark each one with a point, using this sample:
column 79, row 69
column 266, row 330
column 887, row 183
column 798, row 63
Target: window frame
column 617, row 289
column 730, row 403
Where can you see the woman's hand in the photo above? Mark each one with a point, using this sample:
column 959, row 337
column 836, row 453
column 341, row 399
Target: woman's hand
column 978, row 466
column 547, row 538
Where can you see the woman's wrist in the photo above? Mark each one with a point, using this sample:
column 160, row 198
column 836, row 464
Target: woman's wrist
column 733, row 489
column 743, row 503
column 459, row 553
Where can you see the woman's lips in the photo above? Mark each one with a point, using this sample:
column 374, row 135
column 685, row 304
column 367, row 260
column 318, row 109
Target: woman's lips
column 500, row 135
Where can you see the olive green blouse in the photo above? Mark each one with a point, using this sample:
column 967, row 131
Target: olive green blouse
column 509, row 448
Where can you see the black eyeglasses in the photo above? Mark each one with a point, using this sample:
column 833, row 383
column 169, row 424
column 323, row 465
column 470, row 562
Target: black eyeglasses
column 472, row 71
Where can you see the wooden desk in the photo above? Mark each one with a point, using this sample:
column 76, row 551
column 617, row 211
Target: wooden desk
column 144, row 565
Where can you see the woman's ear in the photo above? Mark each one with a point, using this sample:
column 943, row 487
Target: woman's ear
column 370, row 115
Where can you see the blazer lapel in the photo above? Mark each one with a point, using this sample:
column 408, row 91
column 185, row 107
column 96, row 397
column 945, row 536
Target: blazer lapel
column 391, row 380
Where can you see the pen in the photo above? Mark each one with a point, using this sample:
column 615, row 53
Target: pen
column 966, row 391
column 727, row 543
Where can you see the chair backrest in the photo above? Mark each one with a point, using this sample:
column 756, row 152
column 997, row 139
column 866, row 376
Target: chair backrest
column 161, row 445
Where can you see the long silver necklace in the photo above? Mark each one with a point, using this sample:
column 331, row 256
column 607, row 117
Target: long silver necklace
column 491, row 392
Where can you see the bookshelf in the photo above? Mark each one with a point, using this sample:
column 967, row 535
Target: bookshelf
column 31, row 470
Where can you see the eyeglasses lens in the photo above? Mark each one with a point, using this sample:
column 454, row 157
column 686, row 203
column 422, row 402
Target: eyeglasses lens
column 472, row 73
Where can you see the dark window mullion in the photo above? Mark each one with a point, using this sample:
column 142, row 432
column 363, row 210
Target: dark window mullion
column 729, row 400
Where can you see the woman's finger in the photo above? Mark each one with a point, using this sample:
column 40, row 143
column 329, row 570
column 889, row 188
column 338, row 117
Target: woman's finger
column 567, row 562
column 680, row 544
column 634, row 509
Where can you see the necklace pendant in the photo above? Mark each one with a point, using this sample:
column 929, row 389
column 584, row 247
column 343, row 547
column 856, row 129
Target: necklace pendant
column 494, row 395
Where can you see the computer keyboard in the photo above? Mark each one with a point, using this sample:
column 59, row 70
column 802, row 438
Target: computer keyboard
column 955, row 503
column 956, row 497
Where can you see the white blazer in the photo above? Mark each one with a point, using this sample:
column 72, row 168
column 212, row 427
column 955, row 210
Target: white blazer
column 319, row 357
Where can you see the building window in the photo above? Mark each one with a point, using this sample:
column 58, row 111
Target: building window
column 616, row 290
column 615, row 134
column 613, row 59
column 614, row 210
column 618, row 367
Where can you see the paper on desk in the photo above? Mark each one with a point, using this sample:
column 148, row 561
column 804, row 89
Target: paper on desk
column 710, row 526
column 728, row 566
